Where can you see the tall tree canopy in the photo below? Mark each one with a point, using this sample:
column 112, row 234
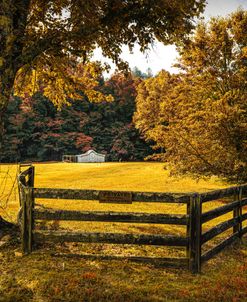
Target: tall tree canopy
column 38, row 36
column 201, row 114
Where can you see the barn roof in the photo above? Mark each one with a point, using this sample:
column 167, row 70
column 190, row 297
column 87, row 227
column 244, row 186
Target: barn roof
column 89, row 152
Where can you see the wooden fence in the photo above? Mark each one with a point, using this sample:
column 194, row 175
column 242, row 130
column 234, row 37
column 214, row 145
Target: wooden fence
column 193, row 220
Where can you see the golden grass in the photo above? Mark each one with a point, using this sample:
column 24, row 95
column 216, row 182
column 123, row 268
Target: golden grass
column 119, row 176
column 40, row 277
column 115, row 176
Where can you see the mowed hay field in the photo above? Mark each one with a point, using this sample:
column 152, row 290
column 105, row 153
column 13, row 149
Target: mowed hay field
column 43, row 277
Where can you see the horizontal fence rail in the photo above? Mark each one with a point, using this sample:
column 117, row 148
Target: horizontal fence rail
column 94, row 195
column 220, row 228
column 113, row 238
column 218, row 194
column 218, row 248
column 124, row 217
column 222, row 210
column 236, row 207
column 193, row 220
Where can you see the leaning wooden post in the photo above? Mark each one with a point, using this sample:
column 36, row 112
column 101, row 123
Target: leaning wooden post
column 30, row 182
column 22, row 181
column 195, row 231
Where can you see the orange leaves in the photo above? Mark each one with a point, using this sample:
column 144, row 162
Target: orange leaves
column 89, row 276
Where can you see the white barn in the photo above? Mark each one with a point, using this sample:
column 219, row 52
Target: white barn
column 90, row 157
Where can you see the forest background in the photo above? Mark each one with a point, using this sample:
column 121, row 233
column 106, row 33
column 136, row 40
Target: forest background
column 35, row 130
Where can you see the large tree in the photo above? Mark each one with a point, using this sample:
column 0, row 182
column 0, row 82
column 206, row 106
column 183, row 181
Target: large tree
column 201, row 118
column 38, row 36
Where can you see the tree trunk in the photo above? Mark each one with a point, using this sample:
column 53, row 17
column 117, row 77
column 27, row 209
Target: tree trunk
column 5, row 225
column 1, row 133
column 13, row 21
column 6, row 86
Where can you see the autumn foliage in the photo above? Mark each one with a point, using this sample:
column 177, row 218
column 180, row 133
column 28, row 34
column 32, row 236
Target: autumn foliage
column 199, row 116
column 36, row 130
column 38, row 38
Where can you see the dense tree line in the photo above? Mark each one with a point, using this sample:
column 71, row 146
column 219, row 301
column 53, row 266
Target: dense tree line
column 36, row 130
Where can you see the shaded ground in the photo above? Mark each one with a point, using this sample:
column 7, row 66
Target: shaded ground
column 41, row 277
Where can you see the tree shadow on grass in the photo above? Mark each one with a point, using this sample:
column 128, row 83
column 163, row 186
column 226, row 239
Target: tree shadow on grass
column 12, row 291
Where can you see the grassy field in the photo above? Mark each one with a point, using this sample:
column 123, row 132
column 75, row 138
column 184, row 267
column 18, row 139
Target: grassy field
column 42, row 277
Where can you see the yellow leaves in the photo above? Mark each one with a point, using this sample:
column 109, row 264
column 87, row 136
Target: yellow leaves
column 10, row 39
column 244, row 52
column 25, row 84
column 198, row 119
column 60, row 81
column 56, row 91
column 152, row 101
column 97, row 96
column 5, row 21
column 1, row 61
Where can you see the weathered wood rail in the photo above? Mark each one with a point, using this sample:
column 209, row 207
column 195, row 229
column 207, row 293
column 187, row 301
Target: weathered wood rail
column 193, row 220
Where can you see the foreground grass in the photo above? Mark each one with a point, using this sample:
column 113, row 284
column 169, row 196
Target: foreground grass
column 42, row 277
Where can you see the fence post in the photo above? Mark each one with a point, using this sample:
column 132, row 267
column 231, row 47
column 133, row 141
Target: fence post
column 27, row 222
column 30, row 208
column 195, row 231
column 237, row 213
column 240, row 197
column 23, row 198
column 30, row 219
column 30, row 182
column 188, row 227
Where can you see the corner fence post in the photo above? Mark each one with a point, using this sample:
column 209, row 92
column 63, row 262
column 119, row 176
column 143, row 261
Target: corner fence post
column 30, row 209
column 195, row 232
column 30, row 206
column 24, row 236
column 27, row 205
column 27, row 220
